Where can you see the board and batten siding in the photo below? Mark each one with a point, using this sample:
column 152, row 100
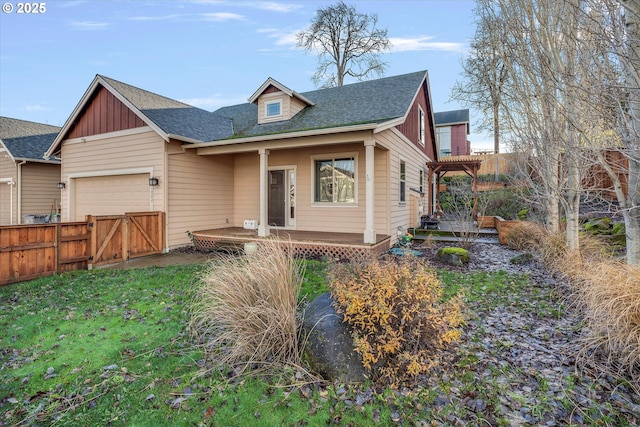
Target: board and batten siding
column 104, row 114
column 38, row 187
column 113, row 154
column 200, row 193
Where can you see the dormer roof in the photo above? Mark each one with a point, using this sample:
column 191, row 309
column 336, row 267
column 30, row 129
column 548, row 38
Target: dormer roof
column 282, row 88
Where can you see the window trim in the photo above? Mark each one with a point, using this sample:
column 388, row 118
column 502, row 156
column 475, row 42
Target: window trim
column 269, row 103
column 333, row 157
column 421, row 126
column 402, row 182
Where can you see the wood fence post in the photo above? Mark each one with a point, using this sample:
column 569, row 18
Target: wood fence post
column 93, row 242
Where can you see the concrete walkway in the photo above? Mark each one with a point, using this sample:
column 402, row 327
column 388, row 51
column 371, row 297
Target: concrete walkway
column 163, row 260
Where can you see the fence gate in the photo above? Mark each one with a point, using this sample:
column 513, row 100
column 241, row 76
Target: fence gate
column 117, row 238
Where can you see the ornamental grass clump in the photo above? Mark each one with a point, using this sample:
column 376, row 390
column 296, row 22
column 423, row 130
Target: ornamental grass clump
column 609, row 292
column 245, row 309
column 398, row 318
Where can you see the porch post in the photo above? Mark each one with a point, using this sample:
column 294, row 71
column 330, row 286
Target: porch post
column 369, row 232
column 263, row 226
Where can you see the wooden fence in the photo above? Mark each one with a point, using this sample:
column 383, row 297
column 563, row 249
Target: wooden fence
column 37, row 250
column 506, row 164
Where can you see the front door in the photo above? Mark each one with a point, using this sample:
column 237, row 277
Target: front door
column 277, row 200
column 282, row 197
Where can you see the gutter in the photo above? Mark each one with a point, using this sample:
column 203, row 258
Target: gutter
column 272, row 137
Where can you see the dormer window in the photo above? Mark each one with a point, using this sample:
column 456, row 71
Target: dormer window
column 277, row 103
column 273, row 109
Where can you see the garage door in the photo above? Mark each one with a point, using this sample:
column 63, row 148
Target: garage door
column 111, row 195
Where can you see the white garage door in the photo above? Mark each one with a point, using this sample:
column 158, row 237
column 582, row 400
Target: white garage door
column 111, row 195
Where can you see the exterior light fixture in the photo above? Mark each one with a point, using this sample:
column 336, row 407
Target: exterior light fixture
column 153, row 182
column 61, row 185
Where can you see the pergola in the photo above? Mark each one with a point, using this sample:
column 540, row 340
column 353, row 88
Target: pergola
column 467, row 164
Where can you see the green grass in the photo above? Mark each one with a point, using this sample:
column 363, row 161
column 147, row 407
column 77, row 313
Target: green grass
column 110, row 347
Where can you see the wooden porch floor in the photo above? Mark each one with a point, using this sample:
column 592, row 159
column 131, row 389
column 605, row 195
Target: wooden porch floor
column 306, row 243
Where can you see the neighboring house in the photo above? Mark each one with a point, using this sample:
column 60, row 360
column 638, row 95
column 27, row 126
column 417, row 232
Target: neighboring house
column 452, row 128
column 349, row 159
column 28, row 182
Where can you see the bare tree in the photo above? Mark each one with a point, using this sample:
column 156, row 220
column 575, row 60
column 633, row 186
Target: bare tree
column 572, row 92
column 484, row 73
column 346, row 39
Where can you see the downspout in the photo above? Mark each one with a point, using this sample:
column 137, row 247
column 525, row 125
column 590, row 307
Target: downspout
column 19, row 190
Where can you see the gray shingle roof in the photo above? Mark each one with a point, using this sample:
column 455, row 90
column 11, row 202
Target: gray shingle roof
column 450, row 117
column 174, row 117
column 372, row 101
column 26, row 140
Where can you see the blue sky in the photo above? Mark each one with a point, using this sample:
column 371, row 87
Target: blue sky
column 207, row 53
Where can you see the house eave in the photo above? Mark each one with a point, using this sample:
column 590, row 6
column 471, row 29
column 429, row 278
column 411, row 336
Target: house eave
column 288, row 135
column 32, row 160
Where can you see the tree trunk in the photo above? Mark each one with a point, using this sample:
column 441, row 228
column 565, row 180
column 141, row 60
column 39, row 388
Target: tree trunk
column 632, row 144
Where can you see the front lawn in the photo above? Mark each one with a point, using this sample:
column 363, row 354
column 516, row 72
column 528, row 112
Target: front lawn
column 110, row 347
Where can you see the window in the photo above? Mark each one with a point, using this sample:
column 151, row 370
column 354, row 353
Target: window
column 421, row 181
column 420, row 126
column 274, row 109
column 335, row 180
column 403, row 181
column 444, row 140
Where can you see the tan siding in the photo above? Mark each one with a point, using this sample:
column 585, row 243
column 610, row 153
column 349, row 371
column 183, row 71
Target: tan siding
column 200, row 194
column 309, row 217
column 296, row 106
column 246, row 188
column 113, row 152
column 39, row 192
column 415, row 160
column 8, row 194
column 382, row 220
column 270, row 97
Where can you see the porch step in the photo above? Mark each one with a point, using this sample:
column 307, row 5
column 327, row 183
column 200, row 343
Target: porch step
column 436, row 238
column 483, row 232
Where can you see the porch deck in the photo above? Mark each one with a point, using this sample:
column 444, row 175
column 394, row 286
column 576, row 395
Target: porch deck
column 308, row 244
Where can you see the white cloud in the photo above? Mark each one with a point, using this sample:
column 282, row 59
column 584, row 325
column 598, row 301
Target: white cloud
column 215, row 101
column 275, row 6
column 280, row 38
column 36, row 107
column 154, row 18
column 89, row 25
column 400, row 44
column 222, row 16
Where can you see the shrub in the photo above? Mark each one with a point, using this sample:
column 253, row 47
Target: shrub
column 606, row 289
column 610, row 296
column 245, row 311
column 524, row 235
column 399, row 321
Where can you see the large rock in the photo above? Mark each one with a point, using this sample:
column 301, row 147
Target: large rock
column 329, row 346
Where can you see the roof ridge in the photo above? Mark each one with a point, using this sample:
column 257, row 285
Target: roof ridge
column 111, row 80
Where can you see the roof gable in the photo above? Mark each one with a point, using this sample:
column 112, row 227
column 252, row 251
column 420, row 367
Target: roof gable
column 168, row 117
column 26, row 140
column 272, row 83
